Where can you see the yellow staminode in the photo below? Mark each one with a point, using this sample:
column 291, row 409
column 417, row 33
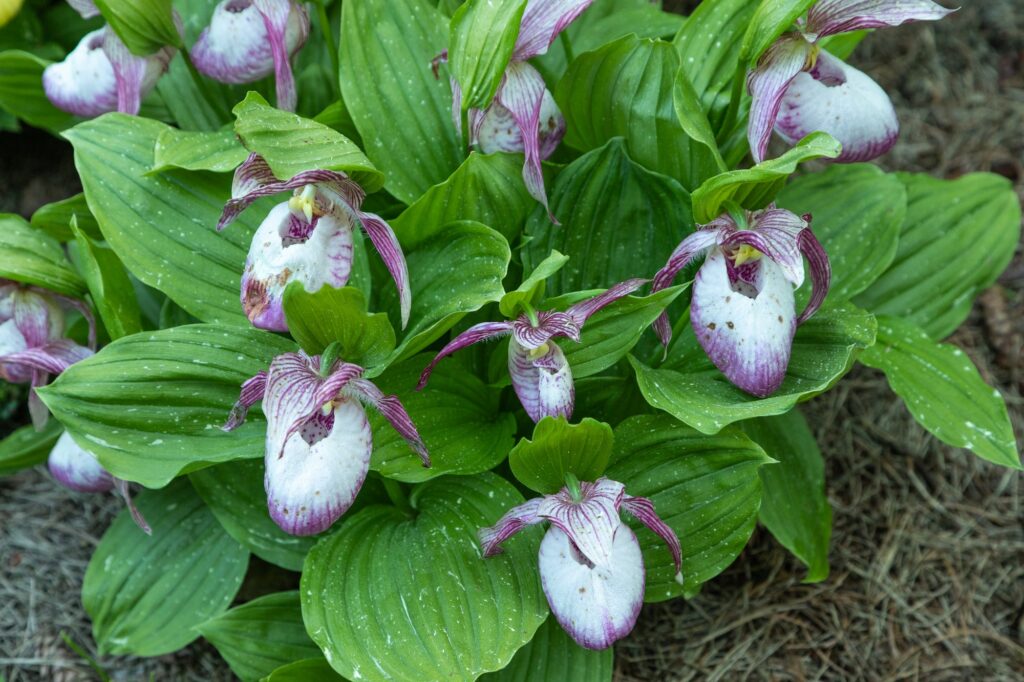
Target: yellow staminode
column 8, row 10
column 746, row 253
column 812, row 57
column 539, row 351
column 304, row 202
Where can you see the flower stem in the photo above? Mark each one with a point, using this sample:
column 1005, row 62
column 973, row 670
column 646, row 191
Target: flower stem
column 573, row 484
column 215, row 102
column 531, row 313
column 396, row 494
column 567, row 46
column 325, row 28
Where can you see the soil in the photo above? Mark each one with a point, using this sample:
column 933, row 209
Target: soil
column 927, row 553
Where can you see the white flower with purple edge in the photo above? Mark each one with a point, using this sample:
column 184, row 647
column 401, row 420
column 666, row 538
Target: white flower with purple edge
column 319, row 440
column 590, row 563
column 742, row 309
column 307, row 239
column 799, row 88
column 540, row 374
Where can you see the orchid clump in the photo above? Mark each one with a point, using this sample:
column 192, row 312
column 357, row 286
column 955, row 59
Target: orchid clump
column 281, row 387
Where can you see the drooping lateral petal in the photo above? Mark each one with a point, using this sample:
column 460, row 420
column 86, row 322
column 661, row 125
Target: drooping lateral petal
column 767, row 85
column 495, row 129
column 542, row 380
column 829, row 17
column 320, row 471
column 581, row 312
column 38, row 319
column 596, row 604
column 134, row 76
column 254, row 180
column 276, row 15
column 52, row 358
column 549, row 325
column 858, row 113
column 513, row 521
column 821, row 272
column 386, row 242
column 643, row 509
column 542, row 21
column 591, row 522
column 77, row 469
column 253, row 174
column 485, row 331
column 748, row 339
column 86, row 8
column 690, row 248
column 285, row 249
column 522, row 94
column 391, row 408
column 83, row 84
column 123, row 489
column 37, row 409
column 251, row 393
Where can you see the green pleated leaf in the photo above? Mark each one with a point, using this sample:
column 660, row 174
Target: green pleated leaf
column 456, row 271
column 218, row 151
column 552, row 655
column 146, row 594
column 55, row 219
column 292, row 144
column 33, row 257
column 944, row 391
column 559, row 448
column 338, row 316
column 692, row 390
column 144, row 25
column 857, row 211
column 27, row 447
column 487, row 188
column 163, row 226
column 958, row 236
column 439, row 610
column 402, row 112
column 619, row 221
column 111, row 289
column 457, row 415
column 21, row 91
column 150, row 406
column 706, row 488
column 304, row 671
column 795, row 508
column 771, row 20
column 261, row 636
column 193, row 108
column 483, row 35
column 532, row 288
column 756, row 187
column 235, row 494
column 625, row 89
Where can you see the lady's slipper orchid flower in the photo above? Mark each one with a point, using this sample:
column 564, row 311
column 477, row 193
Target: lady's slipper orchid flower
column 32, row 343
column 523, row 116
column 590, row 563
column 78, row 469
column 742, row 309
column 319, row 441
column 250, row 39
column 307, row 239
column 101, row 74
column 540, row 374
column 798, row 88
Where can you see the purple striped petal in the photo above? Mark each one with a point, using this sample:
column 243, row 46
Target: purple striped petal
column 86, row 8
column 643, row 509
column 829, row 17
column 386, row 243
column 858, row 113
column 320, row 469
column 334, row 192
column 591, row 522
column 513, row 521
column 37, row 317
column 748, row 339
column 286, row 248
column 249, row 39
column 11, row 342
column 52, row 358
column 582, row 311
column 821, row 272
column 690, row 248
column 134, row 76
column 485, row 331
column 768, row 83
column 542, row 21
column 251, row 176
column 595, row 604
column 252, row 393
column 83, row 84
column 775, row 234
column 542, row 380
column 391, row 408
column 549, row 325
column 133, row 511
column 77, row 469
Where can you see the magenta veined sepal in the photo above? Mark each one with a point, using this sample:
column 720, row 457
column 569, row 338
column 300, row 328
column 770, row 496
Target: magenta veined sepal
column 743, row 309
column 308, row 239
column 319, row 441
column 540, row 373
column 590, row 563
column 799, row 88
